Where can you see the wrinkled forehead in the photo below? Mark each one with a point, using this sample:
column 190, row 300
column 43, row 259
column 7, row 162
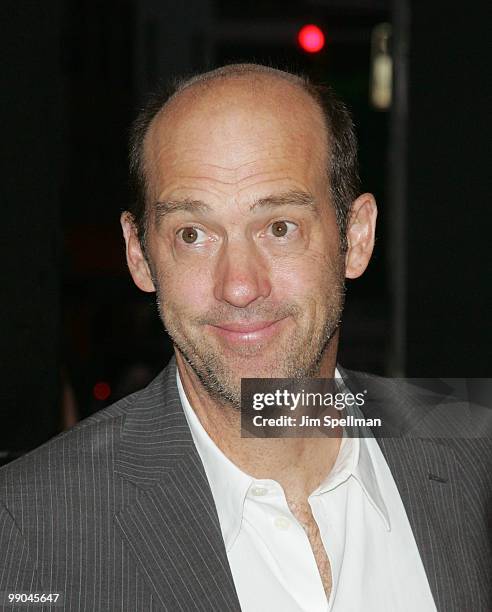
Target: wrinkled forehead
column 229, row 121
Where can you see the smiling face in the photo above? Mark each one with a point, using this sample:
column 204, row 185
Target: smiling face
column 243, row 245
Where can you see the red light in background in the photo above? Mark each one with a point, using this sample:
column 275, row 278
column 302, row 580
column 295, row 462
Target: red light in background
column 311, row 38
column 101, row 391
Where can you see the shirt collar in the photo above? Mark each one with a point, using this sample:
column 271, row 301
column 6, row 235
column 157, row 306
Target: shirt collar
column 355, row 459
column 230, row 485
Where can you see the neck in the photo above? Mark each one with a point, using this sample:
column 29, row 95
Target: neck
column 299, row 465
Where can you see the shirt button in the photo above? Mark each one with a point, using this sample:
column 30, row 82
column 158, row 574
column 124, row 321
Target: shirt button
column 281, row 522
column 259, row 491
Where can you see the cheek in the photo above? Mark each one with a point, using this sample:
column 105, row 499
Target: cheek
column 185, row 288
column 306, row 276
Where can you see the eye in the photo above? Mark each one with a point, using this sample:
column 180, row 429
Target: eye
column 281, row 228
column 192, row 235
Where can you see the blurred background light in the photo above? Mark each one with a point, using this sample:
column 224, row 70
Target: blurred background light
column 311, row 38
column 101, row 390
column 381, row 88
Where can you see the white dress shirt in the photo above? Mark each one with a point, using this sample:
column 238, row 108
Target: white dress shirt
column 375, row 563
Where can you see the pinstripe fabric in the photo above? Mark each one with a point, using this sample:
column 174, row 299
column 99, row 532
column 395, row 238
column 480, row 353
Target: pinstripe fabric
column 447, row 518
column 117, row 513
column 440, row 455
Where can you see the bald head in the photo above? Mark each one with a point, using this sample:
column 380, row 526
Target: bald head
column 252, row 72
column 246, row 87
column 247, row 102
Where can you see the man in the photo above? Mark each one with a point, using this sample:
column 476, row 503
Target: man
column 247, row 222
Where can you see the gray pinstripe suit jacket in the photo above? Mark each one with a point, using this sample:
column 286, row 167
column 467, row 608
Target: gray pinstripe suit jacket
column 117, row 513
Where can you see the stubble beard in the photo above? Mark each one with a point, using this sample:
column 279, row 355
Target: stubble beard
column 299, row 355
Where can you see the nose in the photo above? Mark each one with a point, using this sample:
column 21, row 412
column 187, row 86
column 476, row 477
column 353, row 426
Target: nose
column 241, row 275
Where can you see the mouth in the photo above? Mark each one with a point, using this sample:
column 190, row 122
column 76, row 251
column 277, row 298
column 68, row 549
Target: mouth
column 248, row 331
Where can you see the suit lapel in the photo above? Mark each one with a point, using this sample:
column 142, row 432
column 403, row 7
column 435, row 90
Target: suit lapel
column 428, row 478
column 171, row 526
column 425, row 473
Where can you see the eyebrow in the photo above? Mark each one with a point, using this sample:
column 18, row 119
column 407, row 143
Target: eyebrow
column 287, row 198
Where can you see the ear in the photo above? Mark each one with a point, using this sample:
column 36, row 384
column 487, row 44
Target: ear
column 360, row 235
column 137, row 264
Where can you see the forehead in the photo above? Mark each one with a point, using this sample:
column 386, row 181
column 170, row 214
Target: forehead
column 233, row 129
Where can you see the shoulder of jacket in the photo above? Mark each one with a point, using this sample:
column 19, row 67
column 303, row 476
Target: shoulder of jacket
column 91, row 435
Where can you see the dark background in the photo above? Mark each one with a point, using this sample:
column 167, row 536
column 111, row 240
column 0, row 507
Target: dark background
column 74, row 74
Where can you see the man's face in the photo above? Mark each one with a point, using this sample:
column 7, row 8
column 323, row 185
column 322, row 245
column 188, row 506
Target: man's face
column 243, row 243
